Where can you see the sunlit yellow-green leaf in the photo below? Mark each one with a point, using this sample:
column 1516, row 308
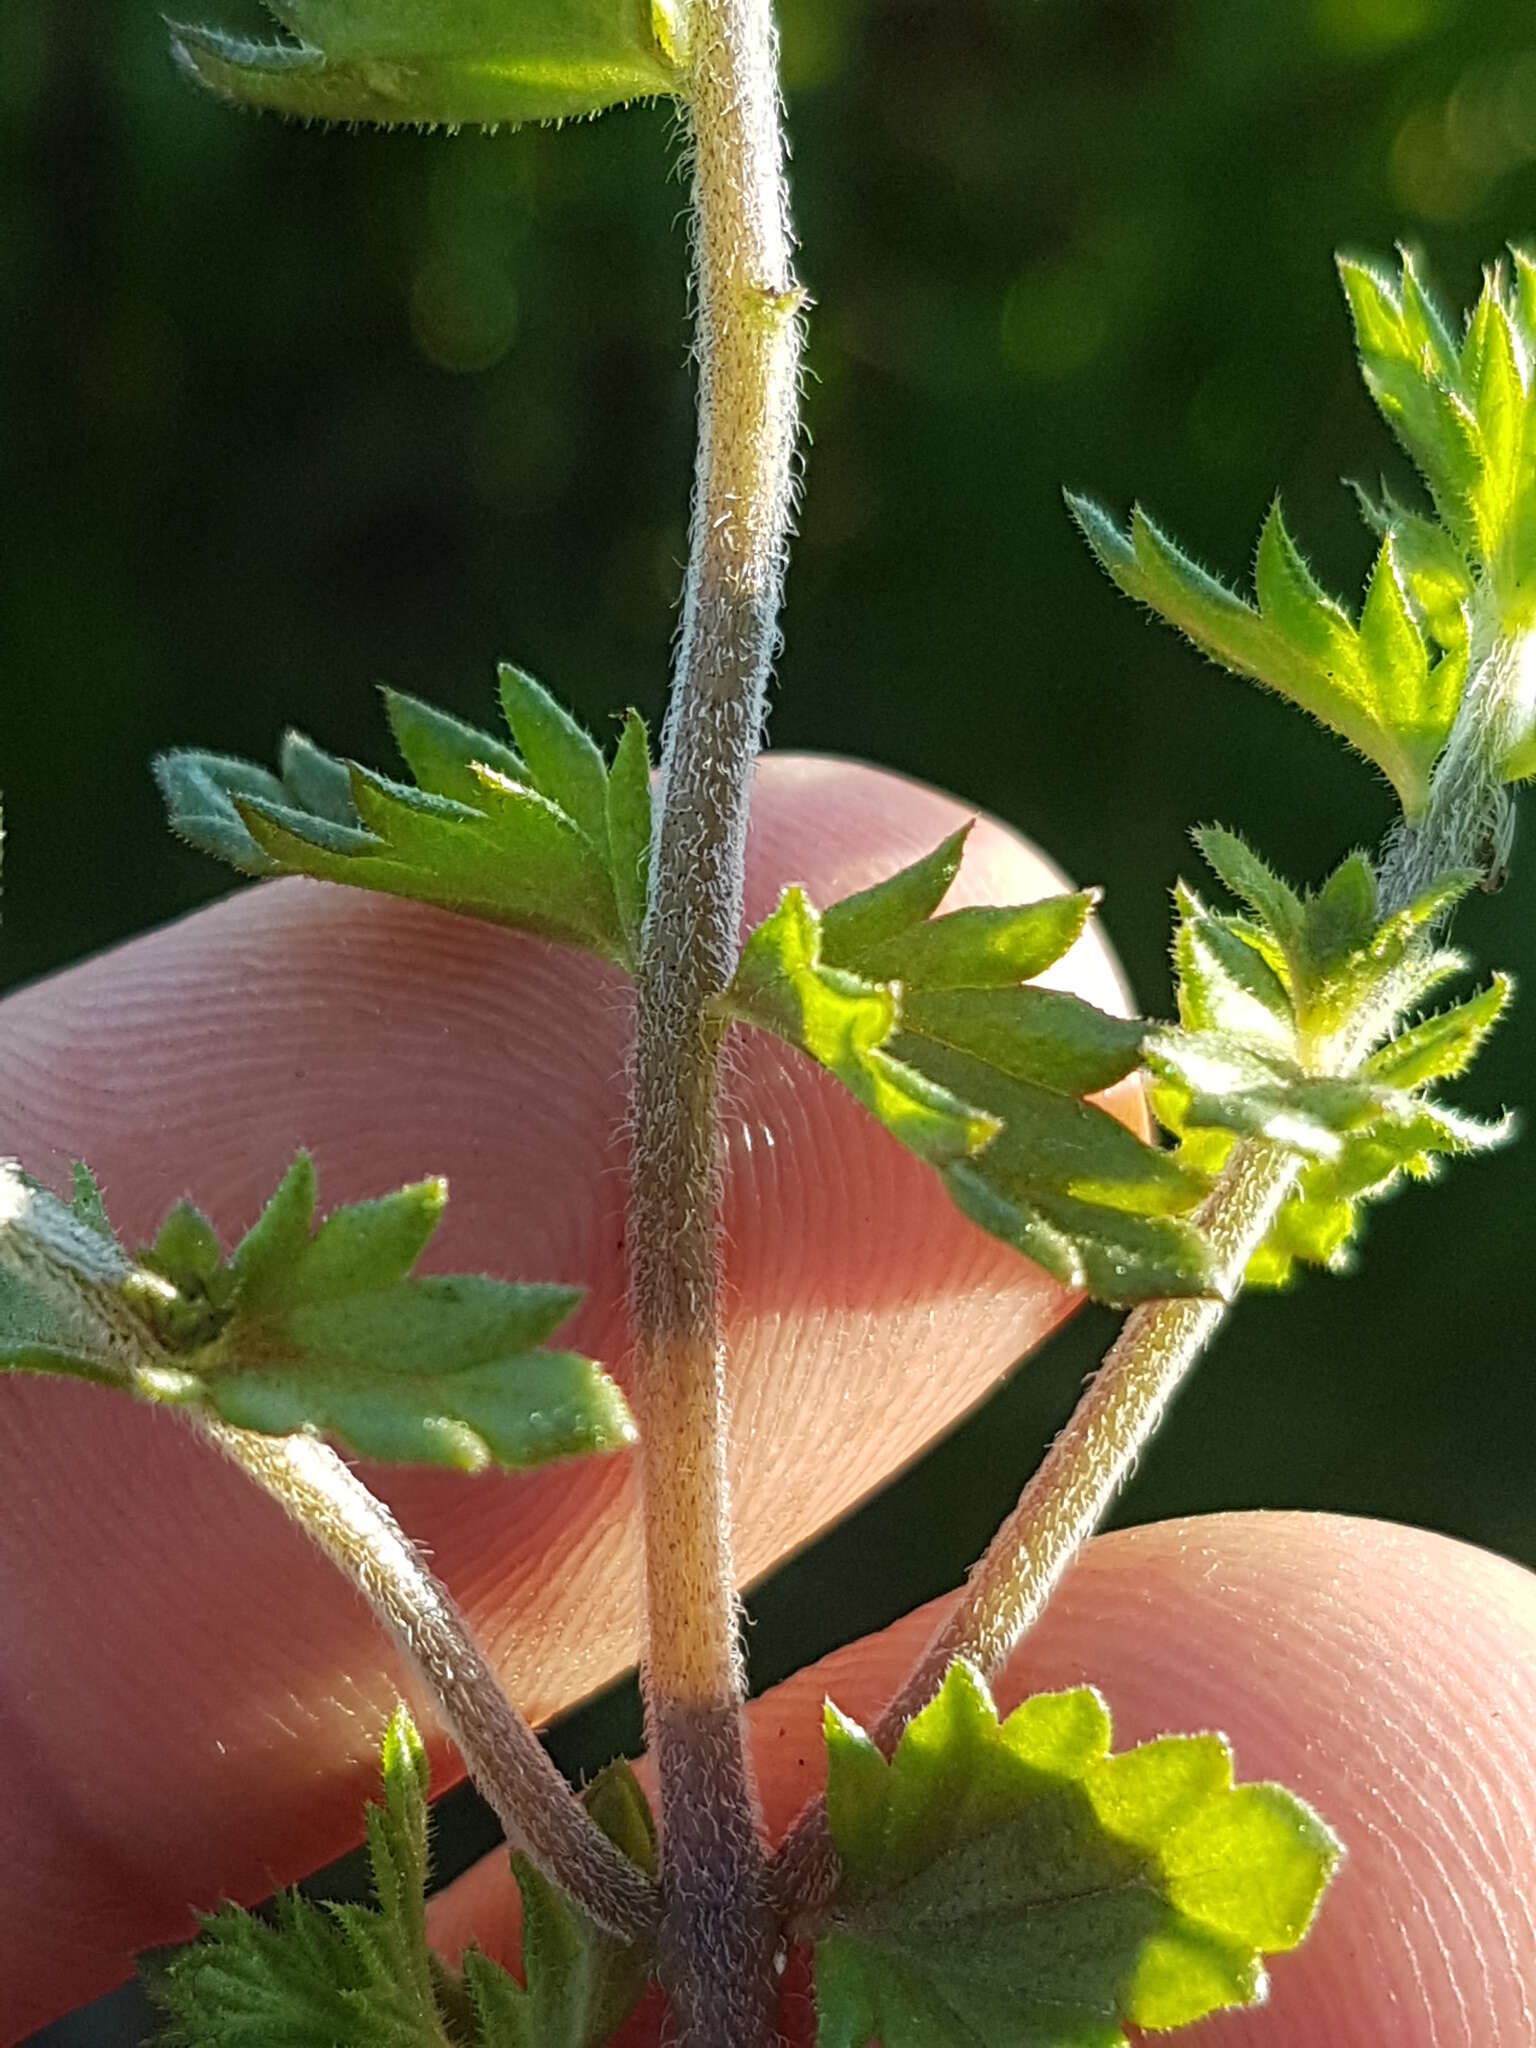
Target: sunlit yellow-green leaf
column 456, row 62
column 1013, row 1884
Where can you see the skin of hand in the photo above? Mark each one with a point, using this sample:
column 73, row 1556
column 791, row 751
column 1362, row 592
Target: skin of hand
column 191, row 1701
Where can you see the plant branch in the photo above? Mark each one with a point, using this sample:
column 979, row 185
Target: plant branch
column 1072, row 1489
column 538, row 1809
column 718, row 1931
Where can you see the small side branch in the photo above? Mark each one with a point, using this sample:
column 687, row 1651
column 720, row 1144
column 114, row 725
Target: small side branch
column 538, row 1809
column 1071, row 1491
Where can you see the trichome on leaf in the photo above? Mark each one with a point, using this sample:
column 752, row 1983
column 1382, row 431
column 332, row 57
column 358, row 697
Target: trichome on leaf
column 300, row 1328
column 311, row 1976
column 1012, row 1884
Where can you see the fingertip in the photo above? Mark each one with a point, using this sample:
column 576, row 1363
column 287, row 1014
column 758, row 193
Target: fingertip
column 1386, row 1675
column 195, row 1644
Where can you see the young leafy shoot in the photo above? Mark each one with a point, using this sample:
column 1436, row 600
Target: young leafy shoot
column 304, row 1329
column 540, row 835
column 1460, row 408
column 1293, row 1029
column 315, row 1976
column 459, row 62
column 1014, row 1885
column 929, row 1020
column 1452, row 597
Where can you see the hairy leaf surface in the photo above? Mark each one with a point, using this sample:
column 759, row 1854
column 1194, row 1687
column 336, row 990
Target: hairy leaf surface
column 1447, row 589
column 547, row 839
column 331, row 1976
column 304, row 1329
column 1294, row 1027
column 929, row 1020
column 1012, row 1884
column 1374, row 683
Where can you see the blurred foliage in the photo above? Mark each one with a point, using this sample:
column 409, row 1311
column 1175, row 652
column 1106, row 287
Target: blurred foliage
column 286, row 413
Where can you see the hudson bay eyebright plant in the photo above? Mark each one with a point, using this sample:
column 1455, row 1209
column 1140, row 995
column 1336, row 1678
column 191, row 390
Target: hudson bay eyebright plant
column 967, row 1877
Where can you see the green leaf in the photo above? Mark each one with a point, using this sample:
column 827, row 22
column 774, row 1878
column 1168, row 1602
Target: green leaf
column 844, row 1023
column 316, row 781
column 851, row 928
column 1440, row 1048
column 59, row 1287
column 1151, row 569
column 307, row 1329
column 1435, row 572
column 1031, row 1034
column 563, row 761
column 616, row 1801
column 1286, row 1052
column 1415, row 700
column 315, row 1976
column 982, row 947
column 1113, row 1256
column 1230, row 1081
column 199, row 792
column 513, row 857
column 890, row 932
column 369, row 1247
column 1275, row 903
column 983, row 1077
column 1014, row 1885
column 86, row 1205
column 548, row 844
column 1490, row 375
column 186, row 1249
column 1414, row 378
column 582, row 1984
column 1225, row 982
column 337, row 1975
column 627, row 806
column 459, row 62
column 1054, row 1144
column 443, row 753
column 1464, row 414
column 1372, row 685
column 329, row 1332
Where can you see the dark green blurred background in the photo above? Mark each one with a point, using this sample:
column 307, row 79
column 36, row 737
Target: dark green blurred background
column 287, row 413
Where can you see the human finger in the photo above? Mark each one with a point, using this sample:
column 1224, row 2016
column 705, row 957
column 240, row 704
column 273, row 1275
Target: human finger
column 190, row 1699
column 1385, row 1674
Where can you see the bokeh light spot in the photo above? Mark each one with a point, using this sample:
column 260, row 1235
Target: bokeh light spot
column 1428, row 177
column 1362, row 27
column 463, row 313
column 1054, row 322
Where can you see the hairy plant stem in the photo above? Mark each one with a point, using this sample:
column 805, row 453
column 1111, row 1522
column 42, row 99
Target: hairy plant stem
column 1071, row 1490
column 718, row 1931
column 538, row 1809
column 1469, row 822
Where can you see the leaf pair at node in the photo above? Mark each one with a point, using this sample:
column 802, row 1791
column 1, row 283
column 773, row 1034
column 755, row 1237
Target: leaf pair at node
column 927, row 1019
column 1014, row 1885
column 315, row 1976
column 461, row 63
column 1293, row 1029
column 322, row 1330
column 544, row 835
column 1444, row 590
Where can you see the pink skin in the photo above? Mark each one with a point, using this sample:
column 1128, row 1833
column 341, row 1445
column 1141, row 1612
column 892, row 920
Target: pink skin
column 1386, row 1675
column 190, row 1701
